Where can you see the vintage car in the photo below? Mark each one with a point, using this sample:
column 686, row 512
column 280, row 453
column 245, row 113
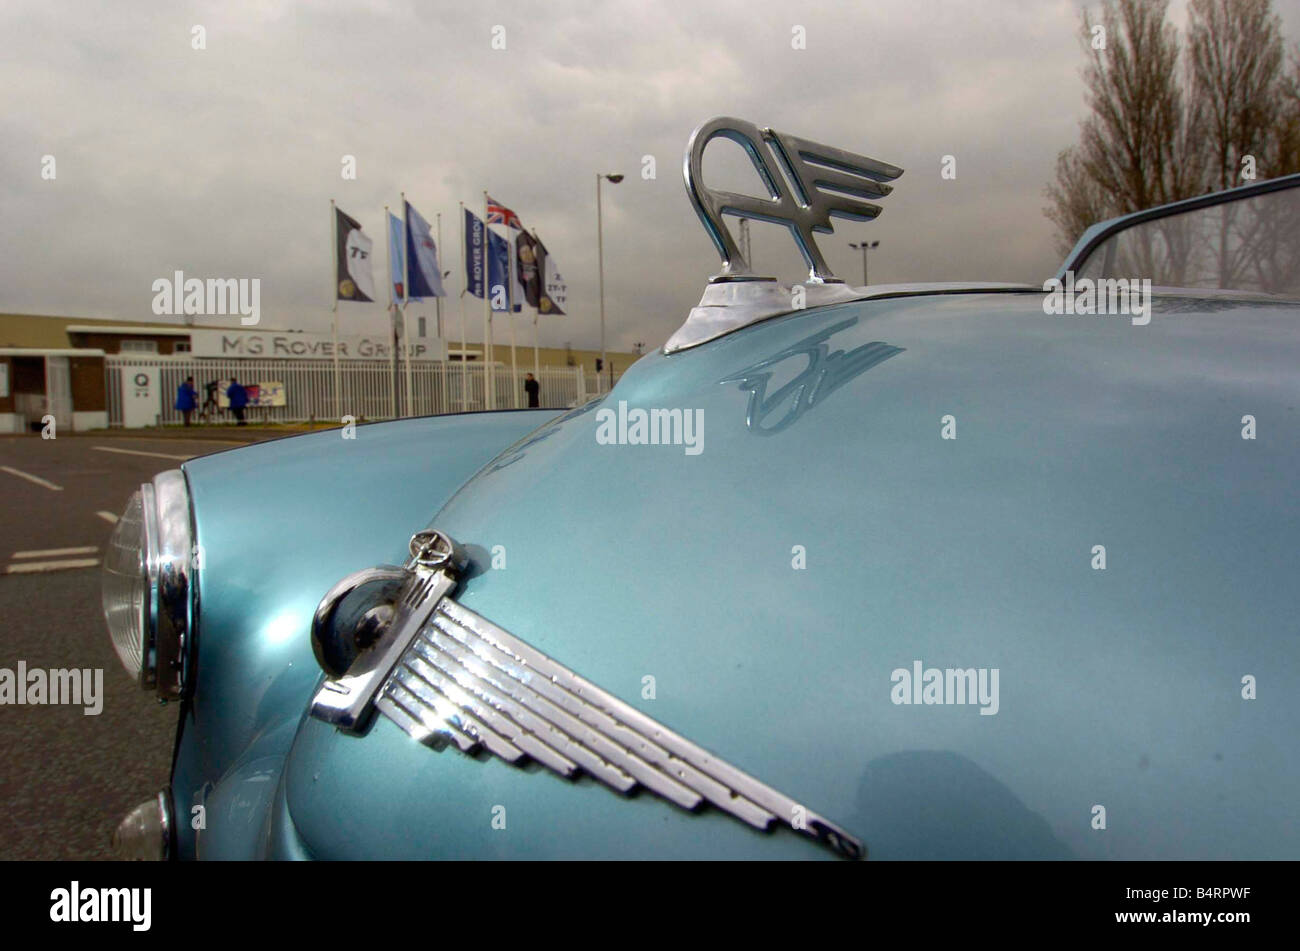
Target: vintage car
column 704, row 616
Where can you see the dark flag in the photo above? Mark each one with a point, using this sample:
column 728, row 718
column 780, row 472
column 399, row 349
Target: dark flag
column 474, row 240
column 353, row 278
column 544, row 287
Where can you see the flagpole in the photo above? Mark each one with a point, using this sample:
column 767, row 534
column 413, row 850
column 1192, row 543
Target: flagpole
column 464, row 276
column 541, row 289
column 392, row 329
column 489, row 377
column 406, row 296
column 334, row 310
column 510, row 313
column 437, row 303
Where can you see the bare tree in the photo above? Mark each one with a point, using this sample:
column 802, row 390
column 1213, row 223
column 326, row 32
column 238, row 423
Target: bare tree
column 1282, row 156
column 1133, row 146
column 1235, row 53
column 1237, row 78
column 1157, row 133
column 1075, row 200
column 1277, row 267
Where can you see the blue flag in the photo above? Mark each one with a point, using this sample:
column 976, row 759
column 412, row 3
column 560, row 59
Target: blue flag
column 396, row 255
column 473, row 254
column 498, row 269
column 423, row 270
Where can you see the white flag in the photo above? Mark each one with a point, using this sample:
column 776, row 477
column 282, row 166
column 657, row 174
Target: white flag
column 353, row 277
column 359, row 263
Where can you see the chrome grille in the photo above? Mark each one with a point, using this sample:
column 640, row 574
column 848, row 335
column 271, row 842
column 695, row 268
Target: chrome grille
column 465, row 681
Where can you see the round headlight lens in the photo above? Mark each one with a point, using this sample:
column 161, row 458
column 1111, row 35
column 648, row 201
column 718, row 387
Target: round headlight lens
column 149, row 581
column 145, row 834
column 126, row 586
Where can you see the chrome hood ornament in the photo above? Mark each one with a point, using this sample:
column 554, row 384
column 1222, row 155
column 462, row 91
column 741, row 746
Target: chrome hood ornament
column 807, row 184
column 446, row 675
column 799, row 200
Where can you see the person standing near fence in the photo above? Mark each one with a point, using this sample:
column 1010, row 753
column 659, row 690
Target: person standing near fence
column 534, row 391
column 211, row 408
column 187, row 398
column 238, row 397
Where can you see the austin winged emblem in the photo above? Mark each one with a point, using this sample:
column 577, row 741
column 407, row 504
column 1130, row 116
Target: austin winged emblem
column 807, row 184
column 393, row 640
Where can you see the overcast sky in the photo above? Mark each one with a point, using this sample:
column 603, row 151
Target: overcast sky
column 221, row 162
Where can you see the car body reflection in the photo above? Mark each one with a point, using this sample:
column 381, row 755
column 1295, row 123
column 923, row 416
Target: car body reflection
column 826, row 372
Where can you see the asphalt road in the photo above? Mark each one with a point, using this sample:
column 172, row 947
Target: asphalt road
column 66, row 778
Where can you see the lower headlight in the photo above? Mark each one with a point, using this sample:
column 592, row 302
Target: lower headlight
column 144, row 835
column 148, row 585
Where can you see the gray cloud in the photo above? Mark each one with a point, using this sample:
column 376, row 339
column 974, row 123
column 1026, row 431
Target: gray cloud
column 222, row 162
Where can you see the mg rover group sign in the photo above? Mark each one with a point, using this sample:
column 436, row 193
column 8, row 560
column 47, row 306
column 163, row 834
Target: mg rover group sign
column 274, row 345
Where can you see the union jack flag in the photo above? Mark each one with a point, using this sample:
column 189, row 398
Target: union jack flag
column 499, row 214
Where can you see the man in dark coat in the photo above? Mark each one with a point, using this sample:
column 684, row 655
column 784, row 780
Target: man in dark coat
column 210, row 408
column 238, row 397
column 187, row 398
column 534, row 391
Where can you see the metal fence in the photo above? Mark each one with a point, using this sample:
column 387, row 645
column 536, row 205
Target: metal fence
column 367, row 386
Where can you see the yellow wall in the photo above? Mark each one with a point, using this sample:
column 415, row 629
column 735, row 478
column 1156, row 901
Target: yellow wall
column 33, row 330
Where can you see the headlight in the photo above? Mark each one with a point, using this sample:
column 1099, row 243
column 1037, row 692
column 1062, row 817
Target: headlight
column 125, row 586
column 146, row 833
column 148, row 590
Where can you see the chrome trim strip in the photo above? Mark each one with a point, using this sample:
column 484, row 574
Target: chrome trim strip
column 467, row 681
column 446, row 675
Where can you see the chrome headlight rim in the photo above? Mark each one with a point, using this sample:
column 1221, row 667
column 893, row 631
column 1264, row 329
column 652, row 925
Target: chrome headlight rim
column 170, row 560
column 167, row 566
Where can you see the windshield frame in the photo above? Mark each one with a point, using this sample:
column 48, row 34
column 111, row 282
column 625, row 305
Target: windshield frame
column 1103, row 231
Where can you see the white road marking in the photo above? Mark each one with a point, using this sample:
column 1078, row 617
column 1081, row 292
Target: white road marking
column 30, row 567
column 53, row 552
column 141, row 452
column 31, row 478
column 108, row 517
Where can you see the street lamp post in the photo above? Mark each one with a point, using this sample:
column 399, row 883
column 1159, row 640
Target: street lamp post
column 614, row 178
column 864, row 246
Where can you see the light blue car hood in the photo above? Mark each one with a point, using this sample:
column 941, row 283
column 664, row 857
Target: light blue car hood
column 1120, row 688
